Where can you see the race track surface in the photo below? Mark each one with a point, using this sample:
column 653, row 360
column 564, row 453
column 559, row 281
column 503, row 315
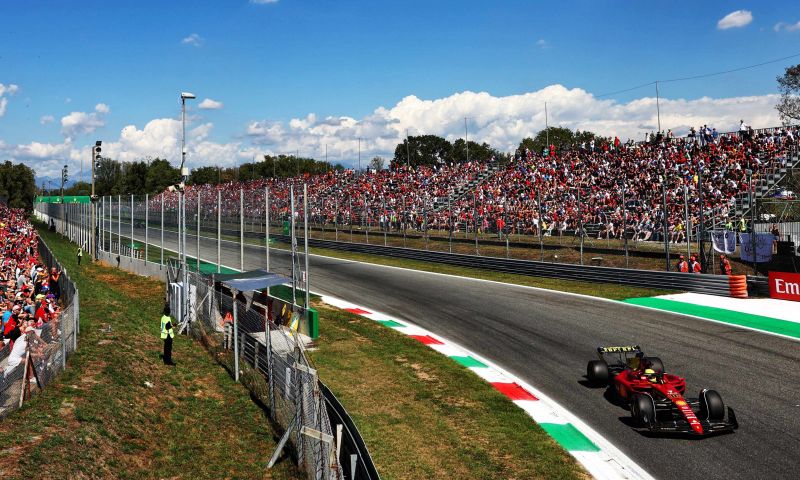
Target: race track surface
column 547, row 337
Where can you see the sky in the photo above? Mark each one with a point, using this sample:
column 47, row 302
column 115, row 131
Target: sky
column 286, row 76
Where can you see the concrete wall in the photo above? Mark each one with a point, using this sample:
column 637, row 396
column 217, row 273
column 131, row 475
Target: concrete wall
column 135, row 266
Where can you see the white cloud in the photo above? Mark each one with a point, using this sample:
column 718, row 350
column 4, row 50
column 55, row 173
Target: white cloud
column 80, row 123
column 194, row 40
column 5, row 92
column 543, row 44
column 45, row 119
column 501, row 121
column 736, row 19
column 787, row 27
column 209, row 104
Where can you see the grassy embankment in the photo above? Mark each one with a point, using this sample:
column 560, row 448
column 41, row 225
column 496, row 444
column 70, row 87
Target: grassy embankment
column 421, row 414
column 118, row 412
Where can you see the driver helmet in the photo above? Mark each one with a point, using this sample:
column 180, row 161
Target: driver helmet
column 651, row 375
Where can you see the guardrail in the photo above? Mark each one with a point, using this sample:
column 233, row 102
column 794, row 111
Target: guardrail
column 700, row 283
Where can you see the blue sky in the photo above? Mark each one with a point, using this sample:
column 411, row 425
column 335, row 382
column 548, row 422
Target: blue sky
column 270, row 63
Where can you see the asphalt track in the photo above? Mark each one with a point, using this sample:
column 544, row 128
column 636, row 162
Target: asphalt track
column 547, row 337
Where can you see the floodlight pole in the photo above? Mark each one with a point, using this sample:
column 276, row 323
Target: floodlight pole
column 305, row 246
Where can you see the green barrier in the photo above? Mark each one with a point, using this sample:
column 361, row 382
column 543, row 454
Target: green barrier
column 313, row 323
column 286, row 226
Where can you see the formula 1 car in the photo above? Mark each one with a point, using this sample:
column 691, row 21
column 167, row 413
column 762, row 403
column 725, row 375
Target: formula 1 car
column 656, row 398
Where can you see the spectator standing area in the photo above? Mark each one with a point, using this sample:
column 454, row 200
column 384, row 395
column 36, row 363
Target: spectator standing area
column 39, row 312
column 118, row 412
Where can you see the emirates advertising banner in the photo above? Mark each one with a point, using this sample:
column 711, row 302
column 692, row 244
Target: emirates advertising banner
column 784, row 286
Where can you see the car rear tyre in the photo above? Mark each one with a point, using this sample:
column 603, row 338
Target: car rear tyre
column 597, row 372
column 656, row 364
column 711, row 405
column 642, row 409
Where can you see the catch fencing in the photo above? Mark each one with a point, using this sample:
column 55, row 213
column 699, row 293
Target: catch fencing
column 273, row 365
column 38, row 356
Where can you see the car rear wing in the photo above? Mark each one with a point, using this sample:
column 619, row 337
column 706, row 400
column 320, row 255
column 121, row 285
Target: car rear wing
column 632, row 348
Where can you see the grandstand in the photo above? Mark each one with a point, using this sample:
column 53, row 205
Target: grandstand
column 579, row 185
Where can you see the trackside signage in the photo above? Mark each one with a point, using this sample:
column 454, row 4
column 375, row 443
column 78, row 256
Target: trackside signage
column 785, row 286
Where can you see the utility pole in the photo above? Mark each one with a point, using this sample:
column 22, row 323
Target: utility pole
column 666, row 216
column 658, row 108
column 408, row 150
column 580, row 221
column 466, row 139
column 546, row 126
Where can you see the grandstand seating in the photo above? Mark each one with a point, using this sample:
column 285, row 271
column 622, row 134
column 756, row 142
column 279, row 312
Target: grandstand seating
column 485, row 195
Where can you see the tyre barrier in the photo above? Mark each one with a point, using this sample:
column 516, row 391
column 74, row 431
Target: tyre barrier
column 738, row 286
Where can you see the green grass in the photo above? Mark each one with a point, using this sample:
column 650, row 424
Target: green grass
column 98, row 419
column 423, row 415
column 410, row 402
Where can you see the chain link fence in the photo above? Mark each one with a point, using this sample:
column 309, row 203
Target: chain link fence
column 37, row 356
column 272, row 364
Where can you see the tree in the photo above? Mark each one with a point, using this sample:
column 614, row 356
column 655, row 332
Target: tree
column 17, row 185
column 160, row 175
column 79, row 189
column 133, row 179
column 481, row 152
column 562, row 138
column 377, row 163
column 204, row 175
column 106, row 176
column 789, row 86
column 424, row 150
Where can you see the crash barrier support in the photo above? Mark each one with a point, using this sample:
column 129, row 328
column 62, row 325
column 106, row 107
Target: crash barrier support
column 705, row 283
column 47, row 348
column 738, row 286
column 274, row 366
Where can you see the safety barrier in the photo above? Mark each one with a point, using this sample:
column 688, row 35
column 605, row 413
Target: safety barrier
column 709, row 284
column 738, row 286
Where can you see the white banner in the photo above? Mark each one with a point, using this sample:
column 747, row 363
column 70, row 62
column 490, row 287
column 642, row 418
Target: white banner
column 763, row 244
column 724, row 241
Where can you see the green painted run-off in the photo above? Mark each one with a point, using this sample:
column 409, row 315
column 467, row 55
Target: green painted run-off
column 569, row 437
column 469, row 362
column 758, row 322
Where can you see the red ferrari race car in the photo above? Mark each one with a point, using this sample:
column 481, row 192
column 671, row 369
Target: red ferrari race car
column 656, row 398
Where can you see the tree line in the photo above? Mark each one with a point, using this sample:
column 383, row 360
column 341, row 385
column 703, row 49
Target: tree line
column 113, row 177
column 433, row 149
column 17, row 185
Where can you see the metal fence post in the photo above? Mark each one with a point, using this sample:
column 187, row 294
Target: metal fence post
column 161, row 261
column 132, row 226
column 76, row 318
column 270, row 366
column 146, row 225
column 241, row 229
column 119, row 224
column 198, row 232
column 266, row 229
column 235, row 336
column 219, row 231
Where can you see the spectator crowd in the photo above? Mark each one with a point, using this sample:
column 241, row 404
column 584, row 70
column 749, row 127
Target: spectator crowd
column 30, row 308
column 577, row 189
